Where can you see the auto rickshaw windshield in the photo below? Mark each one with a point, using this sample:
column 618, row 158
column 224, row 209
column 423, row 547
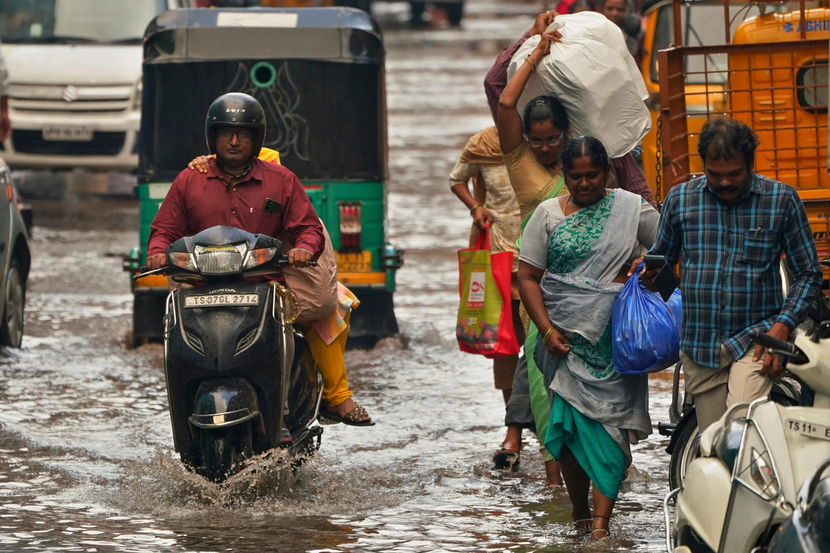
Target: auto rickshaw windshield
column 702, row 25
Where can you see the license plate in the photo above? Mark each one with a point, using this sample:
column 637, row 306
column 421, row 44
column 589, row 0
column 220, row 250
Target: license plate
column 67, row 132
column 221, row 300
column 810, row 429
column 357, row 262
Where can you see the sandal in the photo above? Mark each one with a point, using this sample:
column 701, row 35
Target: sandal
column 583, row 524
column 352, row 418
column 507, row 456
column 607, row 533
column 593, row 537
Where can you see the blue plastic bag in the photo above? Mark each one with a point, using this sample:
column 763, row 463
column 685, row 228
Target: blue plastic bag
column 645, row 329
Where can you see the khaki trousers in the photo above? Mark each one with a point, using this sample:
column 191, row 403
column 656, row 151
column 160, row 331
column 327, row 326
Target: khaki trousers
column 715, row 390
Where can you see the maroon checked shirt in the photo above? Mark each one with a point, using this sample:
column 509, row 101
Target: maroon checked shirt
column 199, row 201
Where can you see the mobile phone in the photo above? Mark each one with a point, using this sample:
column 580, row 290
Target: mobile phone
column 654, row 261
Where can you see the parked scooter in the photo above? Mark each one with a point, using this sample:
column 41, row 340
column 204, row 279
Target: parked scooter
column 682, row 427
column 240, row 381
column 741, row 484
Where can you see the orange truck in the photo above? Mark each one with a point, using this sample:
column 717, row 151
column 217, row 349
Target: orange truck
column 768, row 68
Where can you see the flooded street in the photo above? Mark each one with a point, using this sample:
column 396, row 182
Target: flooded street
column 86, row 455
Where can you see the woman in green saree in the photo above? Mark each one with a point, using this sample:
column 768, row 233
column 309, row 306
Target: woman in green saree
column 575, row 254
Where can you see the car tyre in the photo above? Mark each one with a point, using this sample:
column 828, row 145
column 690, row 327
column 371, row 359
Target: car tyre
column 11, row 329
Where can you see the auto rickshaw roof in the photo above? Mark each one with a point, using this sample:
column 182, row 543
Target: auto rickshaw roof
column 336, row 34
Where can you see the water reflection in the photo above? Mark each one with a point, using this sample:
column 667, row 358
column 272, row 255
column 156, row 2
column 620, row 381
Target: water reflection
column 86, row 459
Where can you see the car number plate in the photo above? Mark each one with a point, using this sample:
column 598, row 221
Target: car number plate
column 357, row 262
column 67, row 132
column 221, row 300
column 810, row 429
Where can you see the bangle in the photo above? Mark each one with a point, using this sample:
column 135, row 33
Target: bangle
column 547, row 335
column 473, row 209
column 532, row 63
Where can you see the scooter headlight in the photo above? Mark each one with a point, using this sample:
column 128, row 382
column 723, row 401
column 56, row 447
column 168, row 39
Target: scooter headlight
column 219, row 260
column 255, row 258
column 182, row 260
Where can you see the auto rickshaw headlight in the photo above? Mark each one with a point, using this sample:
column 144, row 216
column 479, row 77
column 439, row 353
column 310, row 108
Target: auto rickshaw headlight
column 182, row 260
column 254, row 258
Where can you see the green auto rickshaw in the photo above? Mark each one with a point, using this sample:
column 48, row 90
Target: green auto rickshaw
column 319, row 74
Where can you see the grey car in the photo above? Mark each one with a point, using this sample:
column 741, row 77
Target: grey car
column 15, row 260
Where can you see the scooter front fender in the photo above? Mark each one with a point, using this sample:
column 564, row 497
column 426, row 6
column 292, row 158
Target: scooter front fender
column 703, row 501
column 224, row 402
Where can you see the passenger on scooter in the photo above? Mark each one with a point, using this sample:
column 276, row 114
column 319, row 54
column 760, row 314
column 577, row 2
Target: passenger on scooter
column 245, row 192
column 728, row 229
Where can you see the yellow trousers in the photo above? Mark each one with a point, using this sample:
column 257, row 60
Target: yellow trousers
column 329, row 359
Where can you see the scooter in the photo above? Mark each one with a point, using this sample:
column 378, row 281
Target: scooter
column 682, row 427
column 240, row 380
column 742, row 482
column 808, row 529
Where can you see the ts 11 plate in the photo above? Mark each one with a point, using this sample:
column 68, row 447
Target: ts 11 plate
column 221, row 300
column 810, row 429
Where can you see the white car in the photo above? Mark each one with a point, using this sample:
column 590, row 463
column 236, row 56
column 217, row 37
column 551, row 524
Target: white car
column 75, row 68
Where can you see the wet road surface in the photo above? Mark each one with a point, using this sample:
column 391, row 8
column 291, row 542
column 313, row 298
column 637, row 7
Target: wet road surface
column 86, row 458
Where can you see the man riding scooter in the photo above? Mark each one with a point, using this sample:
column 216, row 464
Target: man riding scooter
column 242, row 191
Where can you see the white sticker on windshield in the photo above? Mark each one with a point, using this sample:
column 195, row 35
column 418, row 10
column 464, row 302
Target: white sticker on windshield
column 236, row 19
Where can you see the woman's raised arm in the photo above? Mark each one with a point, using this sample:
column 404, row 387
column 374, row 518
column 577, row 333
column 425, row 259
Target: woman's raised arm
column 510, row 123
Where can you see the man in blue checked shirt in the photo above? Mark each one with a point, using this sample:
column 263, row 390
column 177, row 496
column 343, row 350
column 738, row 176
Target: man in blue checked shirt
column 728, row 230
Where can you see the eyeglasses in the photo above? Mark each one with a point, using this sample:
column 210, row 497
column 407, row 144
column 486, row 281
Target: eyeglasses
column 552, row 143
column 242, row 134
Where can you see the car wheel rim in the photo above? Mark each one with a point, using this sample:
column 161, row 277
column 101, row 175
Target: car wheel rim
column 14, row 307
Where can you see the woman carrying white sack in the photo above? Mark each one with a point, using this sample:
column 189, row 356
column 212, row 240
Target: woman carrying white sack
column 591, row 72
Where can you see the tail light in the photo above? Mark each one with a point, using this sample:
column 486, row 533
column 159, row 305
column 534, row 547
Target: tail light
column 350, row 226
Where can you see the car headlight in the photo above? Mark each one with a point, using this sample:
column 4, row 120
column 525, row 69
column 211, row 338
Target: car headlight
column 255, row 258
column 219, row 260
column 136, row 104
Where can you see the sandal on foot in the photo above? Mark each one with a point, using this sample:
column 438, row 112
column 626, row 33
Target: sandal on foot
column 597, row 534
column 597, row 530
column 583, row 524
column 352, row 418
column 507, row 457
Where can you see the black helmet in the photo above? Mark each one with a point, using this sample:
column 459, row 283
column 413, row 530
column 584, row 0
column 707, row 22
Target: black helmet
column 235, row 110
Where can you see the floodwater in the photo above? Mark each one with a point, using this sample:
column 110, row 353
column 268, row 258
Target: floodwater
column 86, row 458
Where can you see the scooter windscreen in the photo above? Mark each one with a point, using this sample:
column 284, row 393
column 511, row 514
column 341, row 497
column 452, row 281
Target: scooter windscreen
column 224, row 251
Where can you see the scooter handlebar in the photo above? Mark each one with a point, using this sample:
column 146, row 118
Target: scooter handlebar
column 283, row 261
column 143, row 272
column 788, row 350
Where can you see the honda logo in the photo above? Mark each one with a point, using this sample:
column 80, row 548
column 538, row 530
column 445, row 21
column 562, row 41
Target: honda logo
column 70, row 93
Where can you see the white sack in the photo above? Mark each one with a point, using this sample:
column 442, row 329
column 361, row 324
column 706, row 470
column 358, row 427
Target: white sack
column 593, row 81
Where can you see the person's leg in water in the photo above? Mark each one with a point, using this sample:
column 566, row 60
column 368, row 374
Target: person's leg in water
column 577, row 483
column 329, row 359
column 603, row 506
column 517, row 407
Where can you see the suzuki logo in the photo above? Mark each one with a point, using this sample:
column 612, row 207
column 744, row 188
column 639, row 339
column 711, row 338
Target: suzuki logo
column 70, row 93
